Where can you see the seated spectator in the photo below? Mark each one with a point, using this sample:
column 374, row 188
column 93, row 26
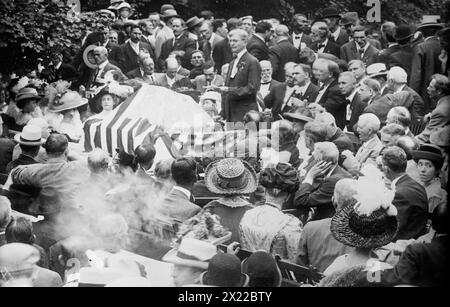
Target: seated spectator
column 178, row 204
column 198, row 64
column 429, row 161
column 314, row 133
column 439, row 91
column 5, row 217
column 207, row 78
column 70, row 125
column 390, row 134
column 164, row 182
column 266, row 227
column 18, row 268
column 145, row 156
column 30, row 142
column 45, row 132
column 27, row 102
column 262, row 270
column 316, row 190
column 335, row 134
column 367, row 222
column 224, row 270
column 409, row 144
column 230, row 178
column 190, row 260
column 317, row 245
column 410, row 197
column 423, row 264
column 400, row 116
column 378, row 72
column 20, row 230
column 211, row 102
column 284, row 139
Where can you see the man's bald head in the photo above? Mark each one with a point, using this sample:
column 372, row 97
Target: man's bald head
column 98, row 161
column 145, row 154
column 265, row 64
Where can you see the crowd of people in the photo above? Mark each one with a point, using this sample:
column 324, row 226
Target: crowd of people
column 352, row 186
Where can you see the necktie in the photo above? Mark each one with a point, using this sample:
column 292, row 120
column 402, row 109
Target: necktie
column 321, row 46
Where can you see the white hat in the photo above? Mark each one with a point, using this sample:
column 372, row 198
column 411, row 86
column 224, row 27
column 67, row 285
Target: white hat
column 124, row 5
column 398, row 74
column 376, row 69
column 191, row 253
column 212, row 96
column 31, row 135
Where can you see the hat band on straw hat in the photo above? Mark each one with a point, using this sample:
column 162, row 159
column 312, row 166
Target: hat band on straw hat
column 234, row 183
column 29, row 141
column 186, row 256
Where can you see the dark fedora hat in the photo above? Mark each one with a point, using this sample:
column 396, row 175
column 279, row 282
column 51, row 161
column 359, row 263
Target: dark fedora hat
column 193, row 22
column 429, row 152
column 330, row 12
column 169, row 13
column 224, row 270
column 166, row 7
column 403, row 32
column 352, row 229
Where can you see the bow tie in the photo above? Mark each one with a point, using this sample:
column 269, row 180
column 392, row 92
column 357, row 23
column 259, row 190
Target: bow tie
column 321, row 46
column 361, row 51
column 265, row 83
column 298, row 36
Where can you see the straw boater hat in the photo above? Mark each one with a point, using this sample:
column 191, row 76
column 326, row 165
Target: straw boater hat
column 430, row 21
column 230, row 176
column 224, row 270
column 429, row 152
column 70, row 100
column 352, row 229
column 88, row 57
column 191, row 253
column 25, row 94
column 31, row 135
column 298, row 116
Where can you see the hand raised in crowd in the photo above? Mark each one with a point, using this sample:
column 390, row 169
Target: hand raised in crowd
column 233, row 248
column 317, row 171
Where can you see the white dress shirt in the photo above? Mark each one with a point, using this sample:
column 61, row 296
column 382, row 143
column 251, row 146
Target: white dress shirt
column 349, row 110
column 297, row 39
column 302, row 89
column 264, row 89
column 336, row 34
column 135, row 46
column 183, row 190
column 323, row 48
column 101, row 68
column 321, row 92
column 236, row 62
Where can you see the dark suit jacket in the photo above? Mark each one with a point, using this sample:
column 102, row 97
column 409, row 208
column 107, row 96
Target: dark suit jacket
column 115, row 56
column 412, row 204
column 421, row 264
column 357, row 106
column 335, row 103
column 425, row 64
column 280, row 54
column 130, row 58
column 318, row 195
column 184, row 43
column 21, row 160
column 385, row 56
column 222, row 54
column 6, row 151
column 418, row 105
column 331, row 48
column 349, row 52
column 342, row 141
column 342, row 39
column 207, row 48
column 176, row 205
column 403, row 58
column 311, row 93
column 258, row 48
column 243, row 88
column 274, row 100
column 66, row 72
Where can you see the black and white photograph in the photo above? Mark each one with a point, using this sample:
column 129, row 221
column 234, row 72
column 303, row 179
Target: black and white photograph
column 239, row 144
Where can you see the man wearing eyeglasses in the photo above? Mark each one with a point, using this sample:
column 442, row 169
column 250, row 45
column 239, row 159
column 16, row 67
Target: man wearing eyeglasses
column 360, row 48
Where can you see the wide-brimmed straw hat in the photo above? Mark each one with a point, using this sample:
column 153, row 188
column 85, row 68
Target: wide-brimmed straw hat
column 429, row 152
column 88, row 57
column 230, row 176
column 31, row 135
column 352, row 229
column 70, row 100
column 224, row 270
column 191, row 253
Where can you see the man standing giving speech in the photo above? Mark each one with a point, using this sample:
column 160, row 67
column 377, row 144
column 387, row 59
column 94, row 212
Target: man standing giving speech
column 243, row 80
